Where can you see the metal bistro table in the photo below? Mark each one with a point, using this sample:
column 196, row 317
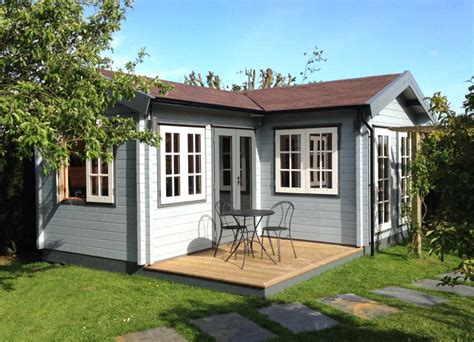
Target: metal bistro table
column 248, row 242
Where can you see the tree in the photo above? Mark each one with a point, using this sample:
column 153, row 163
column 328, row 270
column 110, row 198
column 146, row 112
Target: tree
column 52, row 93
column 267, row 78
column 445, row 165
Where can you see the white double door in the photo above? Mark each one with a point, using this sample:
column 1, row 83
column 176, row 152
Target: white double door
column 234, row 167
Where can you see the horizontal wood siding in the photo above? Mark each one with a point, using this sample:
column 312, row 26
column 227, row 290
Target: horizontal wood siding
column 108, row 231
column 187, row 227
column 322, row 218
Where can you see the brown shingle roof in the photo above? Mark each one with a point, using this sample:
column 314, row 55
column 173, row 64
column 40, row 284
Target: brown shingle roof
column 340, row 93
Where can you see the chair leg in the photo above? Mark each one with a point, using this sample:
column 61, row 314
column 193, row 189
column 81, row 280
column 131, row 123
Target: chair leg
column 278, row 243
column 235, row 233
column 270, row 239
column 218, row 242
column 291, row 240
column 261, row 249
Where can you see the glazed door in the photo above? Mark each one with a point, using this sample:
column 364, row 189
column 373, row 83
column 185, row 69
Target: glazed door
column 234, row 164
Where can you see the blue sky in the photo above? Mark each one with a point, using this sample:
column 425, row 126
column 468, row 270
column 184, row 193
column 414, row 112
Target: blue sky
column 432, row 39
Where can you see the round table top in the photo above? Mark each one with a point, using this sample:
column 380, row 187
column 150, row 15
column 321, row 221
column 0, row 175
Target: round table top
column 249, row 212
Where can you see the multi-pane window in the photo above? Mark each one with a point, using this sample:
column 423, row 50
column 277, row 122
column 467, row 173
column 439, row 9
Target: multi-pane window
column 306, row 161
column 404, row 174
column 226, row 163
column 182, row 164
column 86, row 181
column 383, row 179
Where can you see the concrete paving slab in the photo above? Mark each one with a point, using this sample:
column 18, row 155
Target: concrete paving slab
column 232, row 327
column 358, row 306
column 410, row 296
column 454, row 275
column 162, row 334
column 460, row 290
column 297, row 317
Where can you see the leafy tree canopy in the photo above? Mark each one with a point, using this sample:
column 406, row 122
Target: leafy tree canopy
column 445, row 165
column 52, row 93
column 267, row 78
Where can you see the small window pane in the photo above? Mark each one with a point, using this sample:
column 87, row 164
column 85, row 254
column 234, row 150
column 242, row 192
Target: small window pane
column 380, row 168
column 385, row 145
column 285, row 179
column 198, row 184
column 95, row 185
column 177, row 190
column 169, row 187
column 226, row 144
column 386, row 168
column 284, row 143
column 226, row 161
column 198, row 163
column 385, row 190
column 190, row 143
column 176, row 142
column 285, row 161
column 326, row 140
column 386, row 211
column 326, row 160
column 380, row 210
column 105, row 168
column 191, row 185
column 197, row 144
column 311, row 161
column 176, row 165
column 191, row 164
column 380, row 145
column 105, row 186
column 296, row 142
column 226, row 178
column 326, row 179
column 168, row 165
column 296, row 161
column 314, row 179
column 168, row 142
column 380, row 191
column 295, row 179
column 95, row 166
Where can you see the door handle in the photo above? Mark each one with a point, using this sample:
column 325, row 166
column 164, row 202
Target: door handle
column 238, row 180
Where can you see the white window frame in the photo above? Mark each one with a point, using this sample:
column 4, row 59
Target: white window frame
column 304, row 167
column 184, row 195
column 407, row 157
column 110, row 198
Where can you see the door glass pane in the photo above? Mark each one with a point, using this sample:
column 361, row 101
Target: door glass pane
column 284, row 143
column 285, row 179
column 225, row 169
column 245, row 172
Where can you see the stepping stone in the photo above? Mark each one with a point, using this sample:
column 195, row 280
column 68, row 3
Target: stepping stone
column 410, row 296
column 454, row 275
column 297, row 317
column 232, row 327
column 358, row 306
column 461, row 290
column 162, row 334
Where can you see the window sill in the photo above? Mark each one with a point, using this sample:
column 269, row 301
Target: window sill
column 82, row 202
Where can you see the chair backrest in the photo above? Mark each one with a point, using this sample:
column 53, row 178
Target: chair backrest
column 221, row 207
column 283, row 214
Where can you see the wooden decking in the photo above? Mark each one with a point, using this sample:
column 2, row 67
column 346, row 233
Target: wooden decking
column 258, row 273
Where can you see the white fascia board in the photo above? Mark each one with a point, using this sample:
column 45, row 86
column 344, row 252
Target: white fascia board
column 405, row 80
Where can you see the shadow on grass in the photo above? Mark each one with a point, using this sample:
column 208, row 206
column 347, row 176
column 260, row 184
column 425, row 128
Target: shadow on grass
column 18, row 268
column 349, row 328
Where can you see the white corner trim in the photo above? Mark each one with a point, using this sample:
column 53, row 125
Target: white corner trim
column 141, row 197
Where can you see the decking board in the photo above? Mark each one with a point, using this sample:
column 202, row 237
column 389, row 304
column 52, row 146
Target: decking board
column 258, row 273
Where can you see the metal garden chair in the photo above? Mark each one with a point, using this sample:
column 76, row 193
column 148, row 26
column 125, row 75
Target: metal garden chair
column 227, row 223
column 278, row 223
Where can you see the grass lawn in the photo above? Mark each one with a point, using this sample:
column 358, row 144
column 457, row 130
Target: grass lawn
column 40, row 301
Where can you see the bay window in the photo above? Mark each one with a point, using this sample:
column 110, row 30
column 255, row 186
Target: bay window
column 182, row 164
column 306, row 161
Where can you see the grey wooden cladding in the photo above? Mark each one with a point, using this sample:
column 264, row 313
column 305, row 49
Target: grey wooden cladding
column 108, row 231
column 325, row 218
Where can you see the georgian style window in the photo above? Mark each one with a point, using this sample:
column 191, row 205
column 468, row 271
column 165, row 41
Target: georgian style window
column 383, row 180
column 86, row 181
column 306, row 161
column 404, row 143
column 182, row 164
